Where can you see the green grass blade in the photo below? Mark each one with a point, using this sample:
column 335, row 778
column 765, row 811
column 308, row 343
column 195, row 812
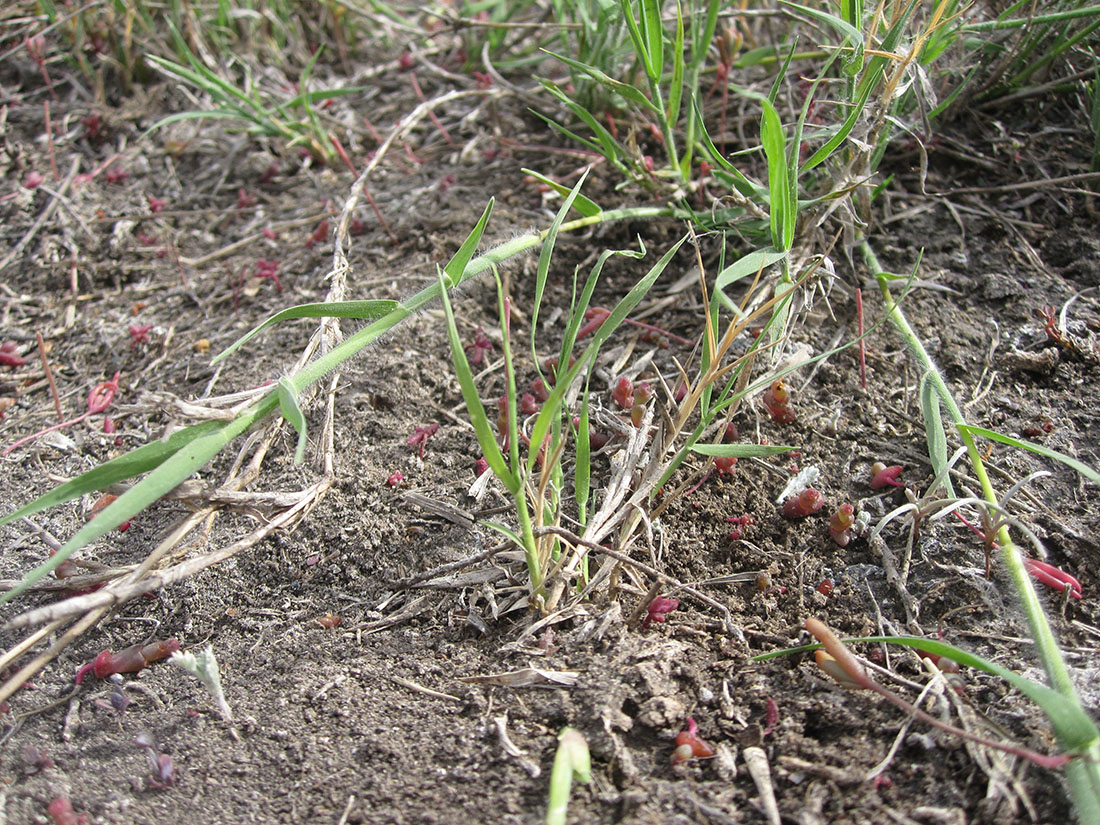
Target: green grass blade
column 653, row 34
column 740, row 450
column 461, row 259
column 1084, row 469
column 545, row 256
column 618, row 314
column 288, row 406
column 676, row 87
column 362, row 310
column 934, row 432
column 486, row 439
column 582, row 476
column 571, row 760
column 627, row 91
column 784, row 209
column 134, row 463
column 172, row 472
column 583, row 205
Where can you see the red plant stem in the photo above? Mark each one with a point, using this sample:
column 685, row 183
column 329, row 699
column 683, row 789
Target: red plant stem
column 103, row 166
column 597, row 322
column 49, row 375
column 431, row 114
column 49, row 138
column 98, row 400
column 339, row 147
column 862, row 348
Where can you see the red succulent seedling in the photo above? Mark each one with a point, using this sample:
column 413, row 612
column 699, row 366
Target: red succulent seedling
column 528, row 404
column 806, row 503
column 155, row 204
column 420, row 437
column 658, row 610
column 9, row 357
column 776, row 400
column 725, row 464
column 623, row 393
column 62, row 813
column 268, row 270
column 132, row 659
column 139, row 334
column 395, row 478
column 690, row 746
column 476, row 351
column 1053, row 577
column 883, row 476
column 99, row 399
column 840, row 524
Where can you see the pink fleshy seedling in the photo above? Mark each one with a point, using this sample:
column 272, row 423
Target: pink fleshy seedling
column 132, row 659
column 156, row 204
column 806, row 503
column 9, row 357
column 481, row 345
column 395, row 478
column 623, row 393
column 776, row 400
column 62, row 813
column 1053, row 577
column 163, row 768
column 268, row 270
column 840, row 524
column 690, row 746
column 658, row 610
column 883, row 476
column 481, row 466
column 420, row 437
column 139, row 334
column 725, row 464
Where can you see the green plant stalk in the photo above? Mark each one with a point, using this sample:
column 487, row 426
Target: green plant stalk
column 1021, row 22
column 571, row 760
column 1083, row 774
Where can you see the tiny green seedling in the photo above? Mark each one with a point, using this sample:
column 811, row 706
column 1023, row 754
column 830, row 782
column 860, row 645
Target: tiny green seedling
column 571, row 760
column 204, row 667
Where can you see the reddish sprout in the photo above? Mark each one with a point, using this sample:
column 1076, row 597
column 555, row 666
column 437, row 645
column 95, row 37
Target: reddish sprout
column 502, row 415
column 840, row 524
column 420, row 437
column 771, row 716
column 101, row 504
column 690, row 746
column 776, row 399
column 32, row 180
column 806, row 503
column 528, row 404
column 623, row 393
column 1053, row 577
column 539, row 390
column 642, row 392
column 245, row 199
column 102, row 395
column 395, row 478
column 825, row 587
column 329, row 621
column 724, row 464
column 8, row 355
column 730, row 433
column 117, row 174
column 319, row 235
column 132, row 659
column 595, row 317
column 658, row 610
column 139, row 334
column 475, row 351
column 831, row 666
column 883, row 476
column 481, row 466
column 268, row 271
column 156, row 204
column 62, row 813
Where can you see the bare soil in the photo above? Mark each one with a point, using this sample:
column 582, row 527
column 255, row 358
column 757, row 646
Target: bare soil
column 389, row 717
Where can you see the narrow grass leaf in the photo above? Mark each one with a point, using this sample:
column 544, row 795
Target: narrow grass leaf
column 627, row 91
column 740, row 450
column 288, row 406
column 606, row 329
column 934, row 432
column 583, row 205
column 131, row 464
column 172, row 472
column 571, row 760
column 362, row 310
column 545, row 256
column 1084, row 469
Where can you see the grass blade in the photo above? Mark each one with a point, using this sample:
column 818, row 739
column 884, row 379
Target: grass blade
column 1084, row 469
column 362, row 310
column 288, row 406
